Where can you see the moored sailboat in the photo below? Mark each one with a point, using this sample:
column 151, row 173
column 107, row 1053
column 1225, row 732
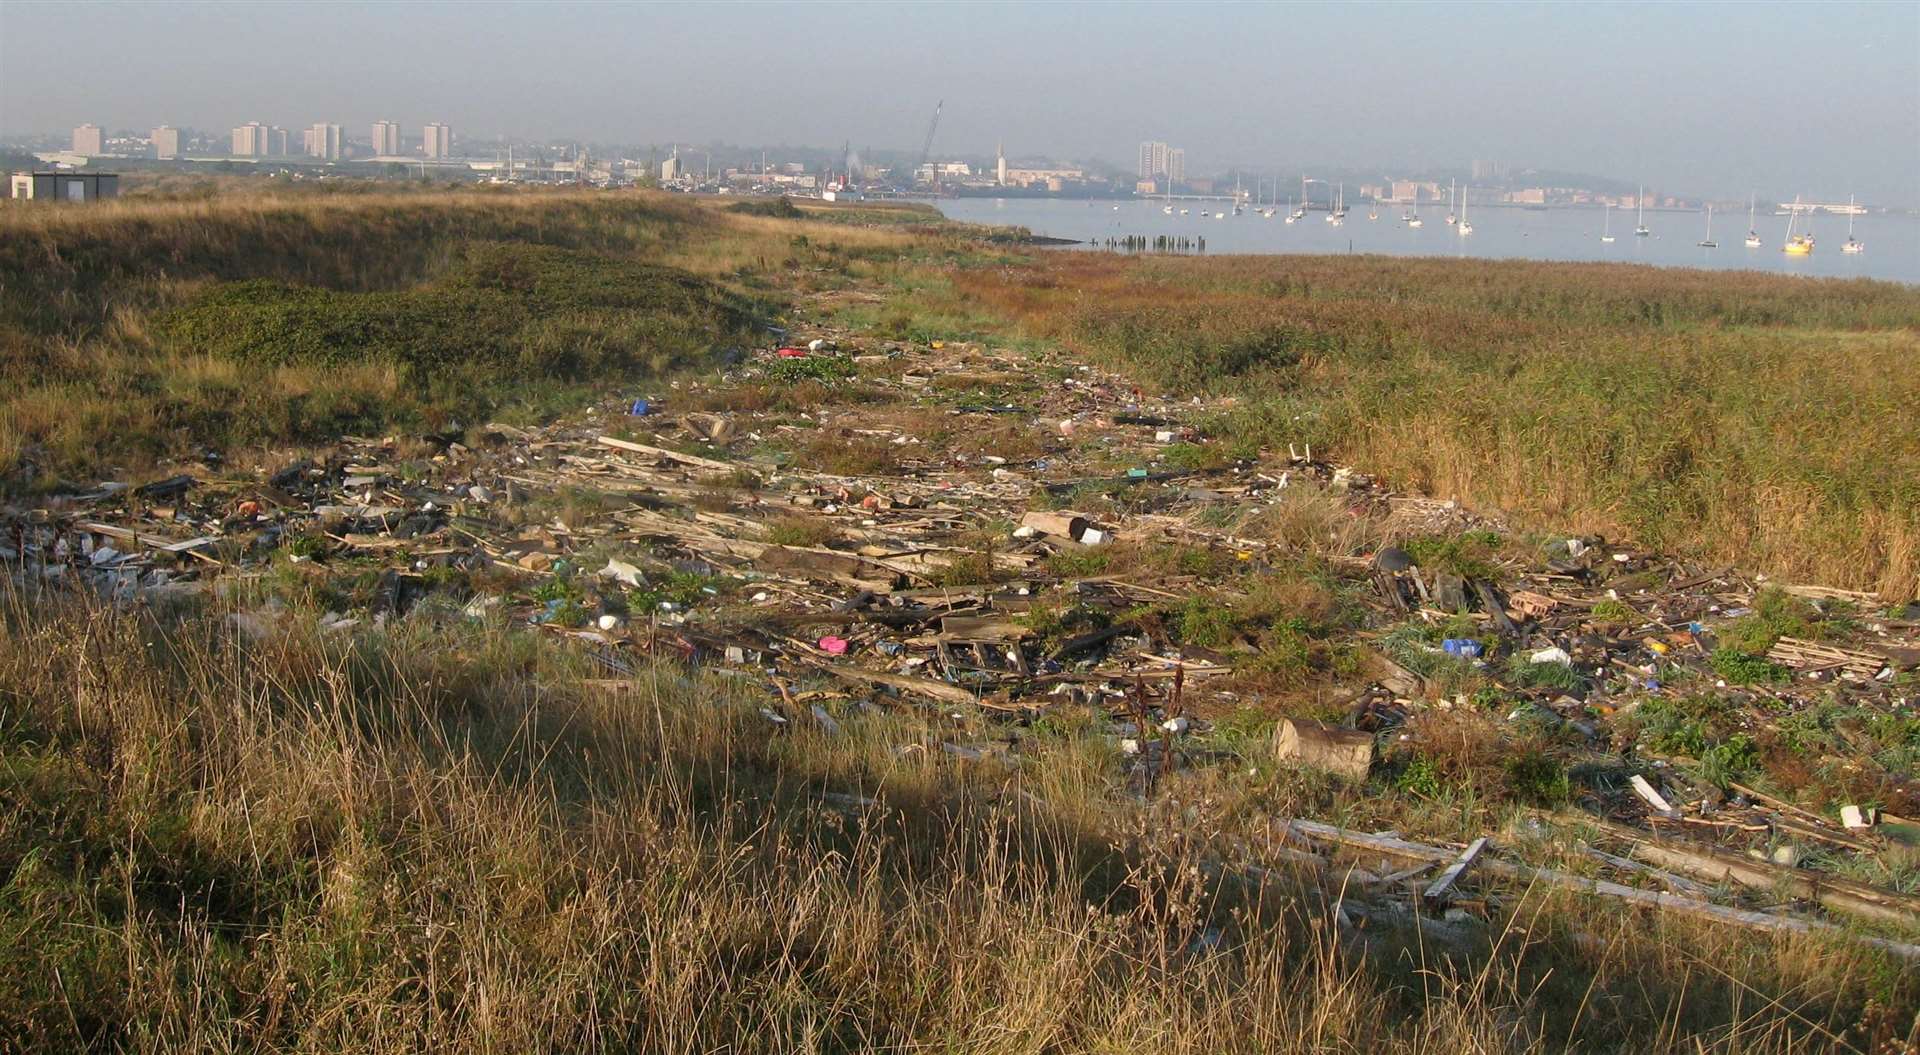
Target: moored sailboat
column 1852, row 244
column 1797, row 244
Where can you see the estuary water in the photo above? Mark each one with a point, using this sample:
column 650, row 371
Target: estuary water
column 1500, row 232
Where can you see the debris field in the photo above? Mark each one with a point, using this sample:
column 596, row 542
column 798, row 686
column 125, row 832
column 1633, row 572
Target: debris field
column 991, row 536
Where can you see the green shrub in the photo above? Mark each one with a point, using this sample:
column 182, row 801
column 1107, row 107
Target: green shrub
column 1538, row 779
column 809, row 368
column 506, row 313
column 1204, row 622
column 1544, row 675
column 1729, row 760
column 1741, row 668
column 1611, row 611
column 1468, row 554
column 780, row 209
column 1684, row 726
column 1419, row 777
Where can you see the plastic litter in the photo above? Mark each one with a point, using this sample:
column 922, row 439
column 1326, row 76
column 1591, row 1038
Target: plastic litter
column 1552, row 655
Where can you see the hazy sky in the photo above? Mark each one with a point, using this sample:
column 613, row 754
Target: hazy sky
column 1819, row 99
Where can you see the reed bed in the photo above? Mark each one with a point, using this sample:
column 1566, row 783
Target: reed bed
column 1743, row 418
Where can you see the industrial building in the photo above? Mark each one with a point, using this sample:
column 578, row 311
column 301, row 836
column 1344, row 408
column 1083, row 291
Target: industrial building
column 65, row 186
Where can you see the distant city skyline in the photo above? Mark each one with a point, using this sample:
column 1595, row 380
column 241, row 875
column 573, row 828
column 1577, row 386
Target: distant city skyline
column 1685, row 96
column 1158, row 167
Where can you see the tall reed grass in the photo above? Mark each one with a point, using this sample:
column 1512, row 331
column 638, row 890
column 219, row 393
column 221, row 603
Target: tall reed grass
column 1736, row 417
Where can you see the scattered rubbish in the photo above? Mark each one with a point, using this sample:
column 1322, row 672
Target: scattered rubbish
column 621, row 571
column 931, row 574
column 1653, row 798
column 1393, row 559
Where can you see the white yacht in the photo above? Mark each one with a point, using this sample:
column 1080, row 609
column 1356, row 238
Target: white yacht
column 1852, row 244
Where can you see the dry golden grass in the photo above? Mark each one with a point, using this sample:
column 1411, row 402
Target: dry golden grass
column 441, row 837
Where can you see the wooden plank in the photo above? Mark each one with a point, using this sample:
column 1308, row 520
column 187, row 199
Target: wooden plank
column 662, row 452
column 1828, row 593
column 156, row 542
column 1490, row 600
column 1838, row 894
column 1650, row 898
column 983, row 628
column 936, row 690
column 1437, row 892
column 1795, row 652
column 1653, row 798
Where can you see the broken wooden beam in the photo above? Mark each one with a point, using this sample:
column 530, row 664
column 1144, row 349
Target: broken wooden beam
column 983, row 628
column 928, row 687
column 1438, row 891
column 1832, row 892
column 1800, row 654
column 671, row 455
column 1651, row 898
column 1828, row 593
column 825, row 564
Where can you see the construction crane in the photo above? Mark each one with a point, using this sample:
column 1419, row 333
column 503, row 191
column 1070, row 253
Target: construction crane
column 926, row 149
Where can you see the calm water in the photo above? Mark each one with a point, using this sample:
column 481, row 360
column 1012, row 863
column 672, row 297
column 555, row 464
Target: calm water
column 1893, row 242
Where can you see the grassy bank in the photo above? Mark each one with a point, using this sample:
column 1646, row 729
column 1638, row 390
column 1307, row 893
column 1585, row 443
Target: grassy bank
column 151, row 328
column 449, row 837
column 1746, row 418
